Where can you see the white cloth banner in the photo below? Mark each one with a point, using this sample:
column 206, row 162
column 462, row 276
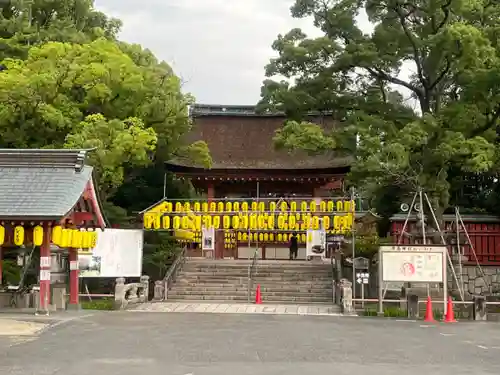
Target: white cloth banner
column 208, row 238
column 316, row 243
column 118, row 253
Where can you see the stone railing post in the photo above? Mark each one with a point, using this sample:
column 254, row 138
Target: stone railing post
column 346, row 293
column 479, row 308
column 159, row 290
column 144, row 296
column 120, row 292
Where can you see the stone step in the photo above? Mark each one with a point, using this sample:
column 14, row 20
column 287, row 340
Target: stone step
column 243, row 288
column 291, row 276
column 244, row 280
column 308, row 286
column 267, row 269
column 285, row 293
column 265, row 299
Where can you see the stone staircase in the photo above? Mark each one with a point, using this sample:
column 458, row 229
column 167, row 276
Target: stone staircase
column 281, row 282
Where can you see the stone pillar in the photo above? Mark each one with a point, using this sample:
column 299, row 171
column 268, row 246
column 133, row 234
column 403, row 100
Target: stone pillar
column 159, row 290
column 74, row 301
column 412, row 305
column 346, row 295
column 479, row 308
column 144, row 294
column 120, row 301
column 45, row 263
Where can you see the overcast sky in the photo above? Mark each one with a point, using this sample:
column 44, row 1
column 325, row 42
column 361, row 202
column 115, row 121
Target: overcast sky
column 218, row 47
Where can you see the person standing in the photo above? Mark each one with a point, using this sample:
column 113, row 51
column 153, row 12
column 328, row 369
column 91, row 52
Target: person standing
column 294, row 246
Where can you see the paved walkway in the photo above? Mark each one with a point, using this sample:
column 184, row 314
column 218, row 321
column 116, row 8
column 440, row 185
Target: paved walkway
column 237, row 308
column 11, row 327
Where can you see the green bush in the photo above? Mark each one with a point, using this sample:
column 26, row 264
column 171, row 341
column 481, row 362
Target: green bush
column 98, row 304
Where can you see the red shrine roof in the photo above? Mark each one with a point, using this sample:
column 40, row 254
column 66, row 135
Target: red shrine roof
column 48, row 185
column 239, row 138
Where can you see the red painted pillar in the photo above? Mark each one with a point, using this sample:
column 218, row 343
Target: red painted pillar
column 1, row 265
column 73, row 279
column 45, row 262
column 210, row 192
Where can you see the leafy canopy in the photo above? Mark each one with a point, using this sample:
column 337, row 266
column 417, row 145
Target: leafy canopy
column 451, row 48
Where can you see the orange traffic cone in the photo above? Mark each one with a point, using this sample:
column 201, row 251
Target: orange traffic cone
column 258, row 297
column 450, row 315
column 429, row 315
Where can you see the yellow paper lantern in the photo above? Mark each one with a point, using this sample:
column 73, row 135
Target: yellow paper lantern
column 261, row 237
column 279, row 237
column 18, row 235
column 196, row 207
column 240, row 236
column 283, row 206
column 312, row 206
column 204, row 206
column 176, row 222
column 315, row 223
column 216, row 222
column 272, row 206
column 178, row 207
column 76, row 239
column 330, row 206
column 213, row 206
column 229, row 207
column 245, row 237
column 244, row 221
column 262, row 206
column 148, row 220
column 340, row 206
column 303, row 238
column 207, row 221
column 226, row 222
column 261, row 222
column 168, row 207
column 2, row 235
column 37, row 235
column 303, row 206
column 348, row 221
column 56, row 235
column 254, row 206
column 64, row 238
column 185, row 223
column 281, row 221
column 157, row 221
column 270, row 222
column 220, row 207
column 197, row 222
column 85, row 240
column 236, row 222
column 236, row 206
column 187, row 206
column 322, row 206
column 291, row 222
column 266, row 236
column 165, row 222
column 253, row 221
column 326, row 222
column 293, row 206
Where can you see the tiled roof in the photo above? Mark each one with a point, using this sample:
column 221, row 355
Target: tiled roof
column 41, row 184
column 240, row 141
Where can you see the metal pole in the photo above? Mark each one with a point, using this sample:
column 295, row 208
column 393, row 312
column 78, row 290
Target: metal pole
column 380, row 284
column 407, row 218
column 353, row 239
column 457, row 222
column 164, row 185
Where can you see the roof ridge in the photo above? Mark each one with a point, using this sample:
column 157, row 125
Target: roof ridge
column 49, row 158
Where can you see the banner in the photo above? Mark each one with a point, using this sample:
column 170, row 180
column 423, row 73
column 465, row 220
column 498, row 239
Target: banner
column 316, row 243
column 118, row 253
column 208, row 238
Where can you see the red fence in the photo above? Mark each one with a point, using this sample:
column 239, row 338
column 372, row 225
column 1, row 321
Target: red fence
column 484, row 236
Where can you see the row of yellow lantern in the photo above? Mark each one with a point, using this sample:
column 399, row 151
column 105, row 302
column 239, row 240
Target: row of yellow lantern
column 252, row 222
column 261, row 237
column 303, row 206
column 61, row 237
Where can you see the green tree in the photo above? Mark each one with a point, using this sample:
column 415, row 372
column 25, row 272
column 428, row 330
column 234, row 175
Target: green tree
column 355, row 75
column 96, row 95
column 26, row 23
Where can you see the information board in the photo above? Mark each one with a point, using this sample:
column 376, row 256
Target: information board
column 118, row 253
column 413, row 263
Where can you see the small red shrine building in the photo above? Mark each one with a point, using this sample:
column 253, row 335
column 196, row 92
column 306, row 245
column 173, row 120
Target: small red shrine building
column 44, row 189
column 245, row 163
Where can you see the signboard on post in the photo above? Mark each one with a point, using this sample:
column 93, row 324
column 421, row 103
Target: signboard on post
column 412, row 264
column 118, row 253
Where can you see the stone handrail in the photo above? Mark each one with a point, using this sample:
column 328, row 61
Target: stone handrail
column 131, row 294
column 162, row 286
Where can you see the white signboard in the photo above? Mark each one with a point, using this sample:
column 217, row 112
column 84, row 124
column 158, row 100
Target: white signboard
column 413, row 264
column 118, row 253
column 316, row 243
column 208, row 238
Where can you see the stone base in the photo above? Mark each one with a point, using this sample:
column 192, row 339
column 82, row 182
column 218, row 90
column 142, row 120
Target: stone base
column 73, row 307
